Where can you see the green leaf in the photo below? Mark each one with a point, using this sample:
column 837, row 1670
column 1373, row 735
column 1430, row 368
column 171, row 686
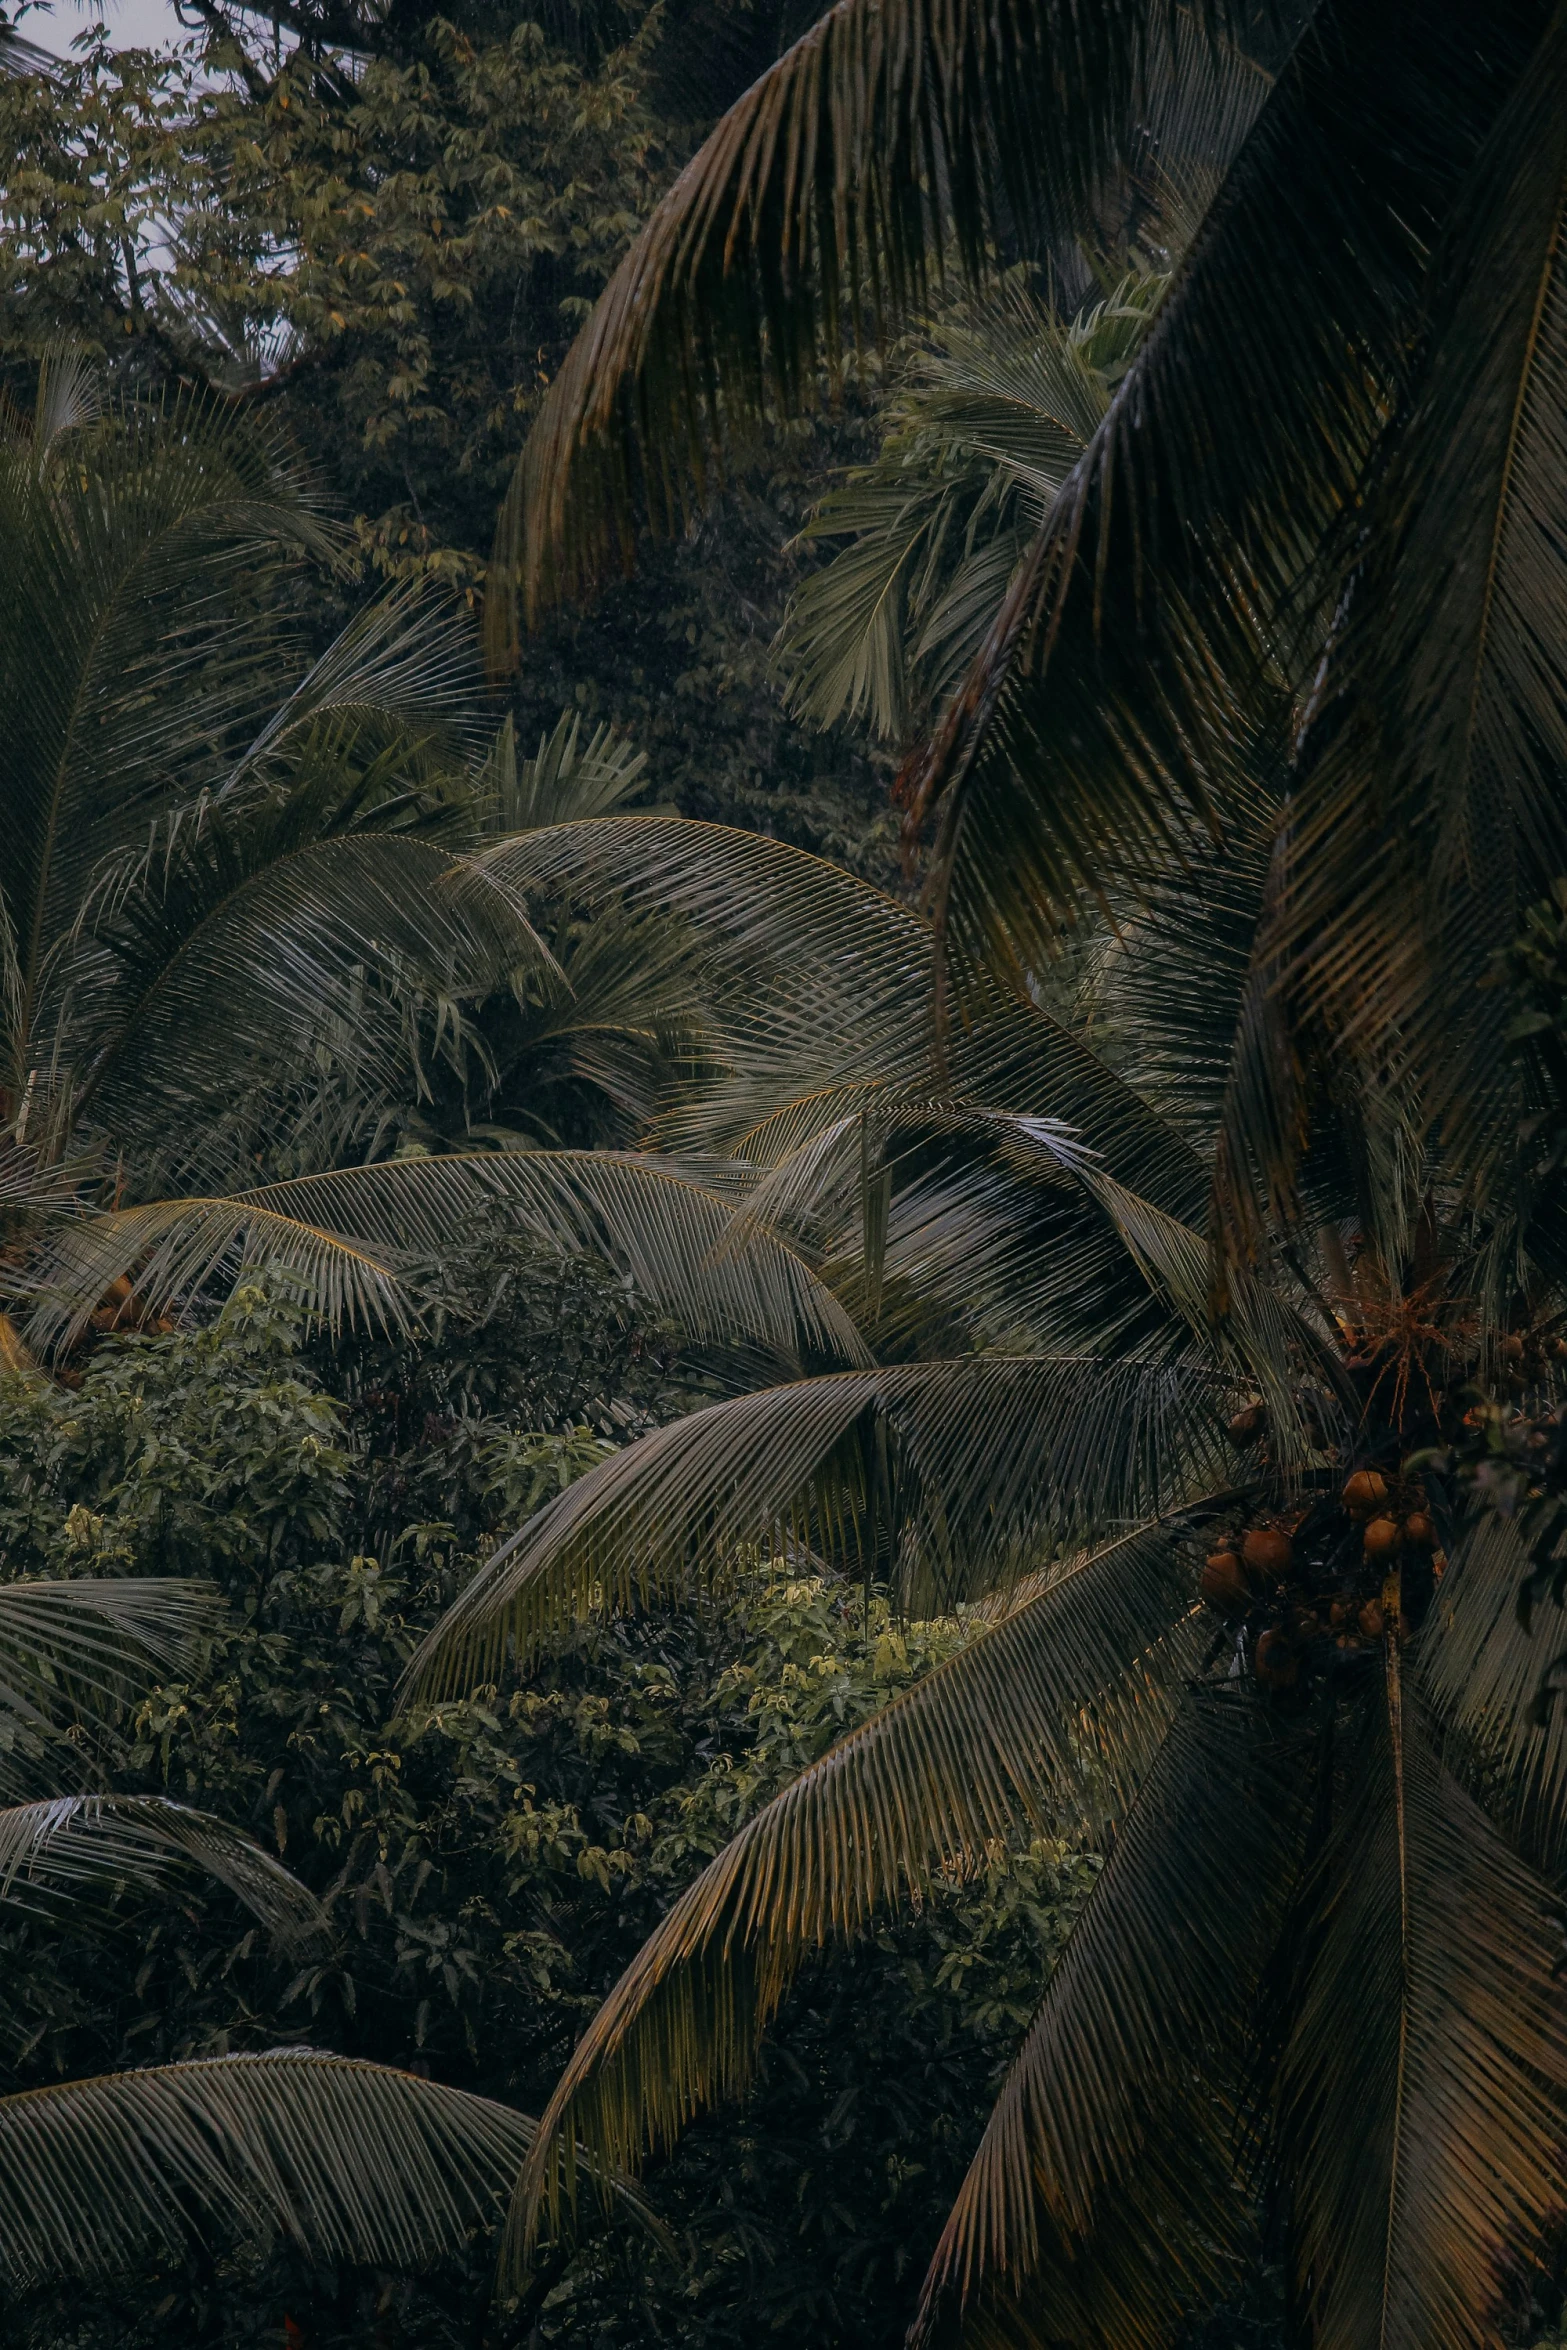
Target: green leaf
column 1054, row 1702
column 954, row 1477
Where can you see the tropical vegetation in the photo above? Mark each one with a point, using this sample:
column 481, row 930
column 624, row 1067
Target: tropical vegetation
column 940, row 1522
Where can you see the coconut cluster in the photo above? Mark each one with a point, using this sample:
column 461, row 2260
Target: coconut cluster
column 1315, row 1589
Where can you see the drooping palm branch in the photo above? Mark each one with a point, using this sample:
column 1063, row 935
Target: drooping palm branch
column 345, row 2159
column 674, row 1239
column 817, row 213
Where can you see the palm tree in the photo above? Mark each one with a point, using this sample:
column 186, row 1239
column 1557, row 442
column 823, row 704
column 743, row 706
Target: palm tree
column 1222, row 1622
column 1335, row 463
column 1278, row 689
column 263, row 993
column 347, row 2159
column 1001, row 398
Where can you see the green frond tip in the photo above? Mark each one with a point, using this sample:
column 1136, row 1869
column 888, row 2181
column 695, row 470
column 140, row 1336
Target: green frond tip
column 59, row 1849
column 66, row 1644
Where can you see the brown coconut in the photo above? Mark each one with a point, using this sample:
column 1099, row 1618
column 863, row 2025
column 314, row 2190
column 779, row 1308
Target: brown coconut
column 1364, row 1492
column 1224, row 1585
column 1268, row 1550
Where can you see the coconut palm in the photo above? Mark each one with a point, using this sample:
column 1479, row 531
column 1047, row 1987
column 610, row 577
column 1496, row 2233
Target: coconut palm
column 1337, row 458
column 348, row 2160
column 1221, row 1622
column 249, row 939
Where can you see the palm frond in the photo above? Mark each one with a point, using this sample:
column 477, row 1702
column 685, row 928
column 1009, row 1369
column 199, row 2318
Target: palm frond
column 255, row 944
column 1002, row 398
column 1430, row 810
column 64, row 1644
column 566, row 780
column 1090, row 740
column 952, row 1477
column 346, row 1233
column 408, row 660
column 823, row 203
column 1097, row 2201
column 345, row 2159
column 128, row 670
column 56, row 1850
column 1428, row 2172
column 819, row 992
column 1063, row 1693
column 1480, row 1671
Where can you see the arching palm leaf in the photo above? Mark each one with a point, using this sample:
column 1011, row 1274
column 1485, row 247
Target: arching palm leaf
column 1479, row 1671
column 825, row 995
column 1429, row 2168
column 55, row 1851
column 1054, row 1702
column 126, row 672
column 347, row 2160
column 1002, row 398
column 64, row 1644
column 1100, row 2193
column 833, row 188
column 346, row 1232
column 1430, row 806
column 951, row 1476
column 1079, row 750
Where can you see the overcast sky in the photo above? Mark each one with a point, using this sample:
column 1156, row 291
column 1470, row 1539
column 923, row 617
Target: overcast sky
column 133, row 24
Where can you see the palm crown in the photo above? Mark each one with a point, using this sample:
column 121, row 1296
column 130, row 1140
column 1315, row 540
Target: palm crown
column 1214, row 1623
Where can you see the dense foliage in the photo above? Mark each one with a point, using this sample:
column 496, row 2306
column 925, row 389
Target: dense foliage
column 403, row 257
column 489, row 1865
column 1023, row 1699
